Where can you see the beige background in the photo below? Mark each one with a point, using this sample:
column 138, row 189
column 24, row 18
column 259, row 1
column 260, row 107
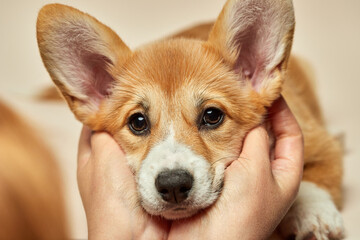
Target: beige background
column 327, row 35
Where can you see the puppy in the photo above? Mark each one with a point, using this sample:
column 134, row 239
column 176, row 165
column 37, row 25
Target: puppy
column 180, row 107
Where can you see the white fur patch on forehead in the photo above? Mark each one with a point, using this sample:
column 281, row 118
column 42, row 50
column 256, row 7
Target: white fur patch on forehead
column 171, row 155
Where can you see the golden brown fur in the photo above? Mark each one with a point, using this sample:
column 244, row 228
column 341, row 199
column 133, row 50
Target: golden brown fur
column 31, row 199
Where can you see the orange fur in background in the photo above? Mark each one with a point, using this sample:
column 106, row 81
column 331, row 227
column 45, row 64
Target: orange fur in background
column 31, row 195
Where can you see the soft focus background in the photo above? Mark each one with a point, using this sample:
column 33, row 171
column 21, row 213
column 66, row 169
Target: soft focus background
column 327, row 35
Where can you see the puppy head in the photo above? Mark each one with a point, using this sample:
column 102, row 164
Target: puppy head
column 179, row 108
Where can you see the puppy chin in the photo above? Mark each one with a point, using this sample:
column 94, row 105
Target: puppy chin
column 181, row 211
column 174, row 213
column 178, row 213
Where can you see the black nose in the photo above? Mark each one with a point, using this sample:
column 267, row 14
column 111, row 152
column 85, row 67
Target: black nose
column 174, row 185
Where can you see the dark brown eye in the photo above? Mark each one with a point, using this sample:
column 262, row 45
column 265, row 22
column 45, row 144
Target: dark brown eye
column 212, row 117
column 138, row 124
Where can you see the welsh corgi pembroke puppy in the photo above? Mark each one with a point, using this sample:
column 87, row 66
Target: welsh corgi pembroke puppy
column 180, row 107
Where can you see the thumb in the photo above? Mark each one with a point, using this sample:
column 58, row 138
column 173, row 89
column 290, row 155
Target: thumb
column 110, row 160
column 253, row 159
column 256, row 146
column 84, row 148
column 288, row 163
column 108, row 157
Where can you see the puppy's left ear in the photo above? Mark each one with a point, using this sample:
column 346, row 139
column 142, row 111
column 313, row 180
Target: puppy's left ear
column 81, row 55
column 255, row 38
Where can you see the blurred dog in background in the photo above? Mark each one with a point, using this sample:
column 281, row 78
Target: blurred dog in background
column 31, row 195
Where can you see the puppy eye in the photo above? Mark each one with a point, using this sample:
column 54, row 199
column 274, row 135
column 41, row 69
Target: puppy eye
column 138, row 124
column 212, row 117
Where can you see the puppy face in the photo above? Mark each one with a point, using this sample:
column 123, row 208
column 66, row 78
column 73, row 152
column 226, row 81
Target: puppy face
column 179, row 108
column 190, row 117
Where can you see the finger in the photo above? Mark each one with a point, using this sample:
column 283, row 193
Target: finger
column 283, row 121
column 105, row 147
column 254, row 158
column 84, row 148
column 256, row 146
column 288, row 164
column 109, row 159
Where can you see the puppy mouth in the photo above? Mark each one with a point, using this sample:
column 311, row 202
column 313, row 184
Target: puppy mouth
column 186, row 206
column 178, row 213
column 179, row 209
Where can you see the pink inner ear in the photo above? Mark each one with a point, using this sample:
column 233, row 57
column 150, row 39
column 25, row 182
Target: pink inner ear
column 251, row 60
column 81, row 61
column 98, row 82
column 257, row 28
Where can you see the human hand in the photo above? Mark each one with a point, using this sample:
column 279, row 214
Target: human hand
column 108, row 191
column 257, row 191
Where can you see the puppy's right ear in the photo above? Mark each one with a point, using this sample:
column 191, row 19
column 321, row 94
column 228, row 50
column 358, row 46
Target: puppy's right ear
column 255, row 38
column 80, row 53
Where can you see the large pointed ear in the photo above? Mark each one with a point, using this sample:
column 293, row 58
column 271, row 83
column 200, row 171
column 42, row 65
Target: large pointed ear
column 255, row 38
column 79, row 52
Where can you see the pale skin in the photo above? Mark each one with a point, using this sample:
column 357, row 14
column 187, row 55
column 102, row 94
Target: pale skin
column 257, row 192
